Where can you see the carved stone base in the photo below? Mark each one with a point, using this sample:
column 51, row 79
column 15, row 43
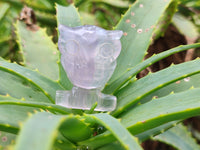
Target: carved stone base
column 79, row 98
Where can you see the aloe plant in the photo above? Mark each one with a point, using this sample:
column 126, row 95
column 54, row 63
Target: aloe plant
column 150, row 107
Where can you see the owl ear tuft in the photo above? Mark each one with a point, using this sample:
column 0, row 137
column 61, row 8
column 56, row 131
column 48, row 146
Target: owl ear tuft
column 115, row 34
column 64, row 29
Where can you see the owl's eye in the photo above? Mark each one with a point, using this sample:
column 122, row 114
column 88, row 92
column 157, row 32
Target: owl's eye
column 106, row 50
column 72, row 47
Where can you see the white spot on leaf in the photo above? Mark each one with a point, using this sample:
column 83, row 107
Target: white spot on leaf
column 139, row 31
column 187, row 79
column 133, row 26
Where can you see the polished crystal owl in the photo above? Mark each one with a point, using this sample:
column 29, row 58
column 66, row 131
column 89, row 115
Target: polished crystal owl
column 88, row 55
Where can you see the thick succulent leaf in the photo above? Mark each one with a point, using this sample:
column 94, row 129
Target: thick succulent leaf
column 67, row 16
column 46, row 128
column 115, row 3
column 178, row 137
column 107, row 138
column 133, row 92
column 132, row 72
column 7, row 97
column 153, row 114
column 155, row 131
column 76, row 129
column 172, row 107
column 137, row 24
column 19, row 82
column 39, row 51
column 61, row 143
column 46, row 19
column 165, row 20
column 12, row 115
column 40, row 5
column 127, row 141
column 44, row 106
column 175, row 87
column 185, row 26
column 112, row 146
column 6, row 139
column 3, row 10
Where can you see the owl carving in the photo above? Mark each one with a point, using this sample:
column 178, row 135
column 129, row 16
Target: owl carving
column 88, row 55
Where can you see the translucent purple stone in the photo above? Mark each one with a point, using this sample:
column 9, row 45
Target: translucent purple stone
column 88, row 55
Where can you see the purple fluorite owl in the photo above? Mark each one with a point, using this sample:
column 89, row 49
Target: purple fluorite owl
column 88, row 55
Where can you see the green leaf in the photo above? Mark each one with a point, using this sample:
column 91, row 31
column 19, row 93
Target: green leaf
column 155, row 131
column 119, row 132
column 76, row 129
column 115, row 3
column 7, row 97
column 132, row 72
column 179, row 138
column 67, row 16
column 45, row 106
column 6, row 139
column 4, row 8
column 172, row 107
column 185, row 26
column 137, row 24
column 112, row 146
column 153, row 114
column 133, row 93
column 19, row 82
column 46, row 128
column 12, row 115
column 38, row 50
column 61, row 143
column 165, row 20
column 178, row 86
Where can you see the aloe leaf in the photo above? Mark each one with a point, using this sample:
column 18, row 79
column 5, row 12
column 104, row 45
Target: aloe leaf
column 39, row 51
column 18, row 81
column 45, row 106
column 4, row 8
column 131, row 94
column 61, row 143
column 106, row 139
column 47, row 19
column 12, row 115
column 175, row 87
column 112, row 146
column 163, row 110
column 165, row 20
column 178, row 137
column 67, row 16
column 6, row 140
column 137, row 24
column 40, row 5
column 46, row 128
column 157, row 130
column 76, row 129
column 7, row 97
column 172, row 107
column 130, row 73
column 120, row 133
column 115, row 3
column 185, row 26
